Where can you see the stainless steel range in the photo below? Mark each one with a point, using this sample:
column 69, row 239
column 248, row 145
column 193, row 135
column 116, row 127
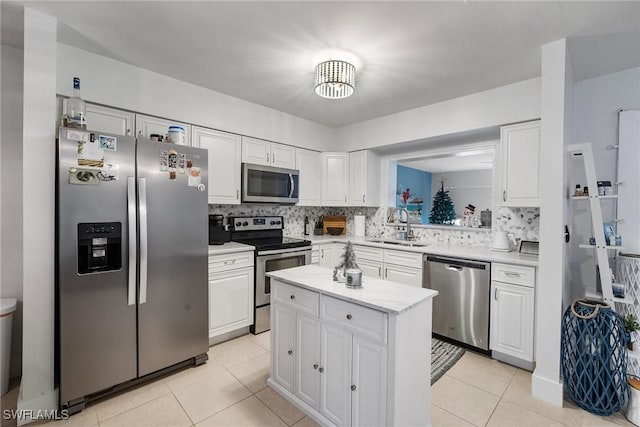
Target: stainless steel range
column 273, row 252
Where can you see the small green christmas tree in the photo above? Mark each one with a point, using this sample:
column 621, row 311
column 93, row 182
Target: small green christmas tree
column 442, row 211
column 348, row 261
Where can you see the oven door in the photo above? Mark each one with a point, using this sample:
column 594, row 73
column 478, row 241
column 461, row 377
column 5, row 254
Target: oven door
column 278, row 259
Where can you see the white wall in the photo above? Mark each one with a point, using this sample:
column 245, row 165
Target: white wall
column 37, row 387
column 556, row 104
column 597, row 102
column 475, row 187
column 11, row 193
column 512, row 103
column 114, row 83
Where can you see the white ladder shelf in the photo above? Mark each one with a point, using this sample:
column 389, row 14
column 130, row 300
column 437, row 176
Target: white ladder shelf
column 585, row 152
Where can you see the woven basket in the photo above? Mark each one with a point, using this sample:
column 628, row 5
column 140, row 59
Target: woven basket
column 594, row 358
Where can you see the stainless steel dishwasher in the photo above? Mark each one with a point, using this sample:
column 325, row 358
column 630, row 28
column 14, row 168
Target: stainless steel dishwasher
column 461, row 309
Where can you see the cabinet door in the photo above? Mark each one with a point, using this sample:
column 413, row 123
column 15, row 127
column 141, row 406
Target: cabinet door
column 283, row 156
column 370, row 268
column 335, row 179
column 224, row 164
column 256, row 151
column 230, row 301
column 369, row 388
column 335, row 374
column 309, row 163
column 521, row 164
column 407, row 275
column 283, row 330
column 308, row 360
column 326, row 256
column 110, row 120
column 357, row 178
column 512, row 320
column 148, row 125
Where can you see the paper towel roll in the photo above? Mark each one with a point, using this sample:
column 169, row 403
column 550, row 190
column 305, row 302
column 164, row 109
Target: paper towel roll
column 358, row 221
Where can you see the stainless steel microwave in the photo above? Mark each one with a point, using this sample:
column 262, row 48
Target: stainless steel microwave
column 267, row 184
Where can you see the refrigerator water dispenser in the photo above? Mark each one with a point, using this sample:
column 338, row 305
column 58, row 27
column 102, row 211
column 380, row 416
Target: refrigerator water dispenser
column 99, row 247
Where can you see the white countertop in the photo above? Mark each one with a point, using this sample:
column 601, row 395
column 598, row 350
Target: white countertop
column 458, row 251
column 383, row 295
column 229, row 248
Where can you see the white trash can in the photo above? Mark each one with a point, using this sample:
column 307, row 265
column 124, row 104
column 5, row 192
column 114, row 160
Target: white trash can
column 7, row 307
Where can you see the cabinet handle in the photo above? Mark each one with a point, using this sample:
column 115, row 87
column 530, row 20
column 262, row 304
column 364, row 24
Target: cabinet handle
column 322, row 253
column 237, row 194
column 504, row 196
column 139, row 133
column 290, row 352
column 349, row 317
column 315, row 366
column 321, row 370
column 353, row 387
column 379, row 271
column 128, row 132
column 363, row 198
column 511, row 274
column 267, row 157
column 293, row 297
column 386, row 273
column 273, row 158
column 495, row 294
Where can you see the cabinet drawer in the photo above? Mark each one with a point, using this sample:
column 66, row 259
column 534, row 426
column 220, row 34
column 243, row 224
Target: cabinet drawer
column 409, row 259
column 362, row 320
column 368, row 252
column 225, row 262
column 516, row 274
column 301, row 299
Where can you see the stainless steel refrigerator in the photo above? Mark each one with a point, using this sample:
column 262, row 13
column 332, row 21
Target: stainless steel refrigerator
column 131, row 236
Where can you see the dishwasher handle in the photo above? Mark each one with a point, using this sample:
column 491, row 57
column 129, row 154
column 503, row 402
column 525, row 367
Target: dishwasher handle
column 457, row 264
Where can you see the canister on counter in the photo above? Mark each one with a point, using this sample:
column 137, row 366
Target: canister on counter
column 354, row 278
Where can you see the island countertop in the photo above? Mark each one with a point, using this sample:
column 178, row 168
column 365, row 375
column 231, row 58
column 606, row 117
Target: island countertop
column 383, row 295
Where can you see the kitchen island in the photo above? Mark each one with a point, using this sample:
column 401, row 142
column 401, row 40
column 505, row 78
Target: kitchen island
column 351, row 356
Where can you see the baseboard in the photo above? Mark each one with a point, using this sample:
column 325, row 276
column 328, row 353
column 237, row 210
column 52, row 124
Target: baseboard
column 523, row 364
column 228, row 336
column 548, row 390
column 37, row 408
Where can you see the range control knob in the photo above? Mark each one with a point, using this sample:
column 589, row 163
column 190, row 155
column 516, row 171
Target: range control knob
column 278, row 222
column 273, row 223
column 245, row 223
column 238, row 224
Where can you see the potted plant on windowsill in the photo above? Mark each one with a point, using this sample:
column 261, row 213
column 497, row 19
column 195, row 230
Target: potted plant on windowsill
column 631, row 326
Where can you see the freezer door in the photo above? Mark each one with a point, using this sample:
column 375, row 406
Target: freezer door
column 96, row 309
column 173, row 221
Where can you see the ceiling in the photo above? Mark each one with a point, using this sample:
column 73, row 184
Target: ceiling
column 461, row 161
column 409, row 54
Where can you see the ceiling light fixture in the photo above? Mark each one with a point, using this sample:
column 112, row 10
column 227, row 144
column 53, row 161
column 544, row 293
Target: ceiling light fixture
column 335, row 79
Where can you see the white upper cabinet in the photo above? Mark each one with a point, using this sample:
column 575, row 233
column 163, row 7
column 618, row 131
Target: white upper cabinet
column 110, row 120
column 520, row 164
column 224, row 164
column 335, row 179
column 261, row 152
column 364, row 178
column 148, row 125
column 309, row 163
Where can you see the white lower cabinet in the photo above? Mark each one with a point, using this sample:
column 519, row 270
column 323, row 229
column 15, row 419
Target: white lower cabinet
column 230, row 292
column 401, row 274
column 390, row 264
column 512, row 314
column 336, row 362
column 330, row 254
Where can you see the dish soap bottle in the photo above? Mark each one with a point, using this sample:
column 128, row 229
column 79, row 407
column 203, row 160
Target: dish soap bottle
column 306, row 225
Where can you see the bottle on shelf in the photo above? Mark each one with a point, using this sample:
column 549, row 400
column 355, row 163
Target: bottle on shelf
column 306, row 225
column 76, row 108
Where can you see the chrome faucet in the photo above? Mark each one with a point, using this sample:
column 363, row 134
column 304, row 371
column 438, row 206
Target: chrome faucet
column 409, row 234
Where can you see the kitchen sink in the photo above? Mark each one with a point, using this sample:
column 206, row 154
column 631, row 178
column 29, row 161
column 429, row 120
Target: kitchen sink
column 408, row 243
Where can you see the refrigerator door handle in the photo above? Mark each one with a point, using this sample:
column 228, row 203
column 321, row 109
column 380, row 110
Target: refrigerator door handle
column 132, row 227
column 142, row 213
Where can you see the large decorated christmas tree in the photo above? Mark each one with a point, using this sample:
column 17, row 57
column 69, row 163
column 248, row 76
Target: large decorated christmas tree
column 442, row 211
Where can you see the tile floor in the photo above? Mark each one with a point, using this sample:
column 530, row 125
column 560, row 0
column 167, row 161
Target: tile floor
column 230, row 390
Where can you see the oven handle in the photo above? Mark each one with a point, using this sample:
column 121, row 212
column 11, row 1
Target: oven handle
column 284, row 251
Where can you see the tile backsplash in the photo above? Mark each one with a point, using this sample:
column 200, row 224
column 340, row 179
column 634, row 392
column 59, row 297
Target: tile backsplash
column 520, row 223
